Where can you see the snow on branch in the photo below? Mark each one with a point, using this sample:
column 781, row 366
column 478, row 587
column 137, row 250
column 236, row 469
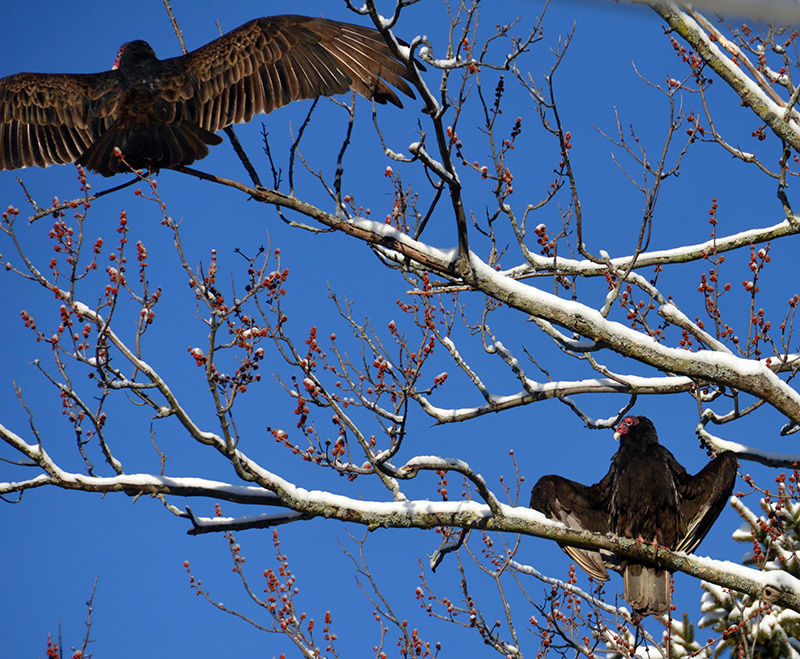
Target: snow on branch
column 560, row 389
column 733, row 67
column 705, row 366
column 744, row 452
column 648, row 259
column 776, row 586
column 745, row 374
column 756, row 377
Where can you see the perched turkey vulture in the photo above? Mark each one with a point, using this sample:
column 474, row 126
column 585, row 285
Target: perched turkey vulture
column 164, row 113
column 646, row 494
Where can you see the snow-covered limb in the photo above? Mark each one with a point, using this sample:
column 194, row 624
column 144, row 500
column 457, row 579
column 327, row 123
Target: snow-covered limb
column 447, row 342
column 743, row 452
column 432, row 462
column 706, row 366
column 304, row 504
column 570, row 587
column 141, row 484
column 539, row 391
column 201, row 525
column 448, row 545
column 775, row 586
column 559, row 389
column 568, row 342
column 419, row 151
column 648, row 259
column 784, row 121
column 748, row 375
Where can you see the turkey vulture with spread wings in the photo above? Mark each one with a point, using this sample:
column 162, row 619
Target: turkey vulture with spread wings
column 164, row 113
column 646, row 494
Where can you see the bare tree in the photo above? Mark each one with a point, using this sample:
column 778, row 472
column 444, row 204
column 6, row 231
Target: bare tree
column 512, row 298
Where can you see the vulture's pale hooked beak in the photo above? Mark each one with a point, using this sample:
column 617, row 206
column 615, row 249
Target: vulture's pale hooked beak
column 617, row 435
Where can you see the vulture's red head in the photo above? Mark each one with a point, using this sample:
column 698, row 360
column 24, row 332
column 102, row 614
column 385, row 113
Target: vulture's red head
column 636, row 427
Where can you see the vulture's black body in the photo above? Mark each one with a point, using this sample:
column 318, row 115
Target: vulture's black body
column 164, row 113
column 646, row 494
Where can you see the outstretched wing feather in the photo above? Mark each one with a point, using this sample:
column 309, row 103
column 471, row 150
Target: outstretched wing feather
column 578, row 507
column 704, row 496
column 258, row 67
column 48, row 118
column 269, row 62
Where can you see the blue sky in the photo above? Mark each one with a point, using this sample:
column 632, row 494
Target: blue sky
column 56, row 543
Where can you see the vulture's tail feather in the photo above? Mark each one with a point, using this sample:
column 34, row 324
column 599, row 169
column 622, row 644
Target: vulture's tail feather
column 158, row 146
column 647, row 589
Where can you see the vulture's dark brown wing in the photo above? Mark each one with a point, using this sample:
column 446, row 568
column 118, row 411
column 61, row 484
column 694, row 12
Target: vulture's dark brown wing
column 269, row 62
column 165, row 113
column 579, row 507
column 52, row 118
column 704, row 496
